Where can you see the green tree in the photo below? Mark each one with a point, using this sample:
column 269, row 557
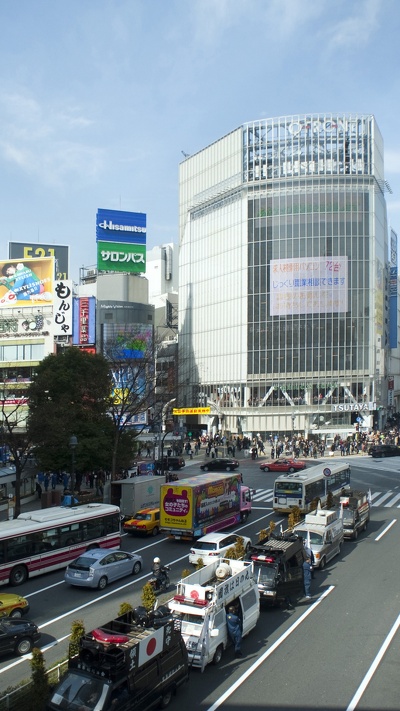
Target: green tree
column 77, row 631
column 69, row 396
column 40, row 691
column 124, row 608
column 148, row 597
column 14, row 435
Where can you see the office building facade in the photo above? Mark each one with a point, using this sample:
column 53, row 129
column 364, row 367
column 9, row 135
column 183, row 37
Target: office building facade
column 284, row 276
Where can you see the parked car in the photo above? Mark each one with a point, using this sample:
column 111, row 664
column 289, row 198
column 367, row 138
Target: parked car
column 17, row 636
column 384, row 450
column 170, row 463
column 12, row 605
column 219, row 464
column 284, row 465
column 215, row 545
column 98, row 567
column 146, row 521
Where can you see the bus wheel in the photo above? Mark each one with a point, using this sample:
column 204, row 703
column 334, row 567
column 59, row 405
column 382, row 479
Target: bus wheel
column 18, row 575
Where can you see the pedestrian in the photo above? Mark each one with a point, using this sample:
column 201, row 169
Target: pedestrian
column 53, row 480
column 307, row 578
column 46, row 482
column 308, row 553
column 38, row 490
column 234, row 624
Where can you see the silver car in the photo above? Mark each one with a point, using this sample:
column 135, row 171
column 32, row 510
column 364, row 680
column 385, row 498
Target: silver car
column 100, row 566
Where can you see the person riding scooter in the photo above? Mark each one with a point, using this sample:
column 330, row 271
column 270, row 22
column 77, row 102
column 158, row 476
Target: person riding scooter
column 160, row 573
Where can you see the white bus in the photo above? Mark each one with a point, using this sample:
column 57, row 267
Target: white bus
column 301, row 488
column 37, row 542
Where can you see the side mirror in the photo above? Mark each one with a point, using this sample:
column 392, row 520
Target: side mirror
column 214, row 633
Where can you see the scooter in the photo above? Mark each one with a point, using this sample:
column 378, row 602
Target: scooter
column 161, row 582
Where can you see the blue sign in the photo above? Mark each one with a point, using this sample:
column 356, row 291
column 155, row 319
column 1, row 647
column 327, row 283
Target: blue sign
column 121, row 226
column 327, row 471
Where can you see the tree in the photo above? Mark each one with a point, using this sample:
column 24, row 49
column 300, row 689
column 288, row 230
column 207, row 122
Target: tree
column 40, row 686
column 148, row 597
column 16, row 439
column 69, row 395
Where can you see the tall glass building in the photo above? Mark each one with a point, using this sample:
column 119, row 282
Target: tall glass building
column 284, row 276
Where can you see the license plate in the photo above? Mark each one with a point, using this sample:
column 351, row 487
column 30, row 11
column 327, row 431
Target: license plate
column 78, row 575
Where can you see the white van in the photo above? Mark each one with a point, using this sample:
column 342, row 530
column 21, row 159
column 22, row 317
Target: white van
column 323, row 532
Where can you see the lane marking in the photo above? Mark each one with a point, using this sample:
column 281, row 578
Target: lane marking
column 385, row 530
column 269, row 651
column 371, row 671
column 383, row 498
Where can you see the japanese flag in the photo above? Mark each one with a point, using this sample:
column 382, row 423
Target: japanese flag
column 151, row 646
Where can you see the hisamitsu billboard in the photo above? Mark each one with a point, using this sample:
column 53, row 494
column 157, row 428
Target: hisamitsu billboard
column 121, row 226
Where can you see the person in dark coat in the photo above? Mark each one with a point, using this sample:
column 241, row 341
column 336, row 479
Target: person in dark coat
column 307, row 578
column 234, row 624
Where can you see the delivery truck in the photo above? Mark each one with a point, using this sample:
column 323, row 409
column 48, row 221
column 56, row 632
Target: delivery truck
column 123, row 665
column 202, row 504
column 137, row 493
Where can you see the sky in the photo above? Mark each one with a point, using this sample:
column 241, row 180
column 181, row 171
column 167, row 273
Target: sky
column 99, row 98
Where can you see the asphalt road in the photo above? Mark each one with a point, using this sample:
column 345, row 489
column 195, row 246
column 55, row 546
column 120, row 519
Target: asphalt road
column 321, row 655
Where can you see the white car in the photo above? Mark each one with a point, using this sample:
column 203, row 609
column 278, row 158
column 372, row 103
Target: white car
column 215, row 545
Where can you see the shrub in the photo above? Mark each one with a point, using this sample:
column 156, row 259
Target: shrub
column 124, row 608
column 148, row 597
column 39, row 693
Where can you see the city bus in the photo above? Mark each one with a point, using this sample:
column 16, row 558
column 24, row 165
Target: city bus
column 301, row 488
column 37, row 542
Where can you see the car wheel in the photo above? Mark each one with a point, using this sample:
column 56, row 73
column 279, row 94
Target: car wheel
column 265, row 469
column 228, row 469
column 218, row 654
column 17, row 613
column 355, row 534
column 155, row 531
column 244, row 516
column 170, row 468
column 322, row 563
column 205, row 468
column 18, row 575
column 136, row 568
column 102, row 583
column 166, row 698
column 92, row 547
column 291, row 470
column 24, row 646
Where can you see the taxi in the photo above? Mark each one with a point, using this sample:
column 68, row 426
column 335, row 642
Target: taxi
column 12, row 605
column 145, row 521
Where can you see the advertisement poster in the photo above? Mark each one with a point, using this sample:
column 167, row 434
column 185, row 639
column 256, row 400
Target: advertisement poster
column 308, row 285
column 192, row 504
column 26, row 283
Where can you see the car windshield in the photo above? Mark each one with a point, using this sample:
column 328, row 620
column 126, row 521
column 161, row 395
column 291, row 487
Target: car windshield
column 77, row 692
column 205, row 546
column 83, row 562
column 264, row 573
column 142, row 517
column 288, row 487
column 348, row 515
column 315, row 539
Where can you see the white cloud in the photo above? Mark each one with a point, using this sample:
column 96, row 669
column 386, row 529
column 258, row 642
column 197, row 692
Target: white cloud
column 47, row 142
column 356, row 29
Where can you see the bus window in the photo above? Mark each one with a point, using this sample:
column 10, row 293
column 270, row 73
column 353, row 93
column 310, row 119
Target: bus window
column 18, row 548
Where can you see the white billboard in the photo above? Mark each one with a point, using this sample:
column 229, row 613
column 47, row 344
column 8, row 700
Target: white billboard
column 308, row 285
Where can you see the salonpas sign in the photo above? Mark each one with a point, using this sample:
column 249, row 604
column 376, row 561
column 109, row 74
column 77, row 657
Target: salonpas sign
column 121, row 257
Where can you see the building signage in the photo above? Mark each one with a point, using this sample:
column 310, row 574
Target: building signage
column 84, row 324
column 320, row 125
column 27, row 250
column 354, row 407
column 28, row 283
column 120, row 257
column 32, row 325
column 62, row 313
column 191, row 410
column 121, row 226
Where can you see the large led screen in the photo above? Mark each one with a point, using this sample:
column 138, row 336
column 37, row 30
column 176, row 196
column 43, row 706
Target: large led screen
column 308, row 285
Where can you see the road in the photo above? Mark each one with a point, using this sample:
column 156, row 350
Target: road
column 322, row 655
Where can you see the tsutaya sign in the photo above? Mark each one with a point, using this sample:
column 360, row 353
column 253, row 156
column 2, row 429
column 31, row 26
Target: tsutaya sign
column 354, row 407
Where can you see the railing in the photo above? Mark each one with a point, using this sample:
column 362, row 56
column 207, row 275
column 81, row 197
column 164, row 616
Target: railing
column 18, row 698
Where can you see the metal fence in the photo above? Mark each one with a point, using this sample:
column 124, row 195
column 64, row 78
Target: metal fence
column 19, row 698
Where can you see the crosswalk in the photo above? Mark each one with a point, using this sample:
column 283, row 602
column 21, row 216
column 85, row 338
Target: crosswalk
column 388, row 499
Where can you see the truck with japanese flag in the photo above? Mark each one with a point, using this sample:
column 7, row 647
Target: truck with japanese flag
column 124, row 665
column 203, row 504
column 201, row 604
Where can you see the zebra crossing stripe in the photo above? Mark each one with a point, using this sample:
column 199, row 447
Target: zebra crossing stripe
column 393, row 501
column 383, row 498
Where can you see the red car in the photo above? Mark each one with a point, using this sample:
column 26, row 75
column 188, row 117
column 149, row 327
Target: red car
column 284, row 465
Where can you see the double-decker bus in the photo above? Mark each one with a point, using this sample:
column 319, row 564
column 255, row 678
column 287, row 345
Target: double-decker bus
column 37, row 542
column 301, row 488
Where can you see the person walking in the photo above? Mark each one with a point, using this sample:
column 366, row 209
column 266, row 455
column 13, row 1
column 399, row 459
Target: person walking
column 307, row 578
column 308, row 553
column 234, row 624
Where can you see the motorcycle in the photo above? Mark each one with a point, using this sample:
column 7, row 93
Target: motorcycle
column 161, row 583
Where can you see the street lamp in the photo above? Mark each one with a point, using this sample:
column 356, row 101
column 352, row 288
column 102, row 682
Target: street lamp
column 73, row 441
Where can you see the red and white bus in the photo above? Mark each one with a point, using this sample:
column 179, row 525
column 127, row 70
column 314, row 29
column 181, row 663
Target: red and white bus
column 40, row 541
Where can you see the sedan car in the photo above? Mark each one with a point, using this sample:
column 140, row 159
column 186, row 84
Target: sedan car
column 220, row 464
column 12, row 605
column 17, row 636
column 379, row 451
column 168, row 464
column 98, row 567
column 284, row 465
column 215, row 545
